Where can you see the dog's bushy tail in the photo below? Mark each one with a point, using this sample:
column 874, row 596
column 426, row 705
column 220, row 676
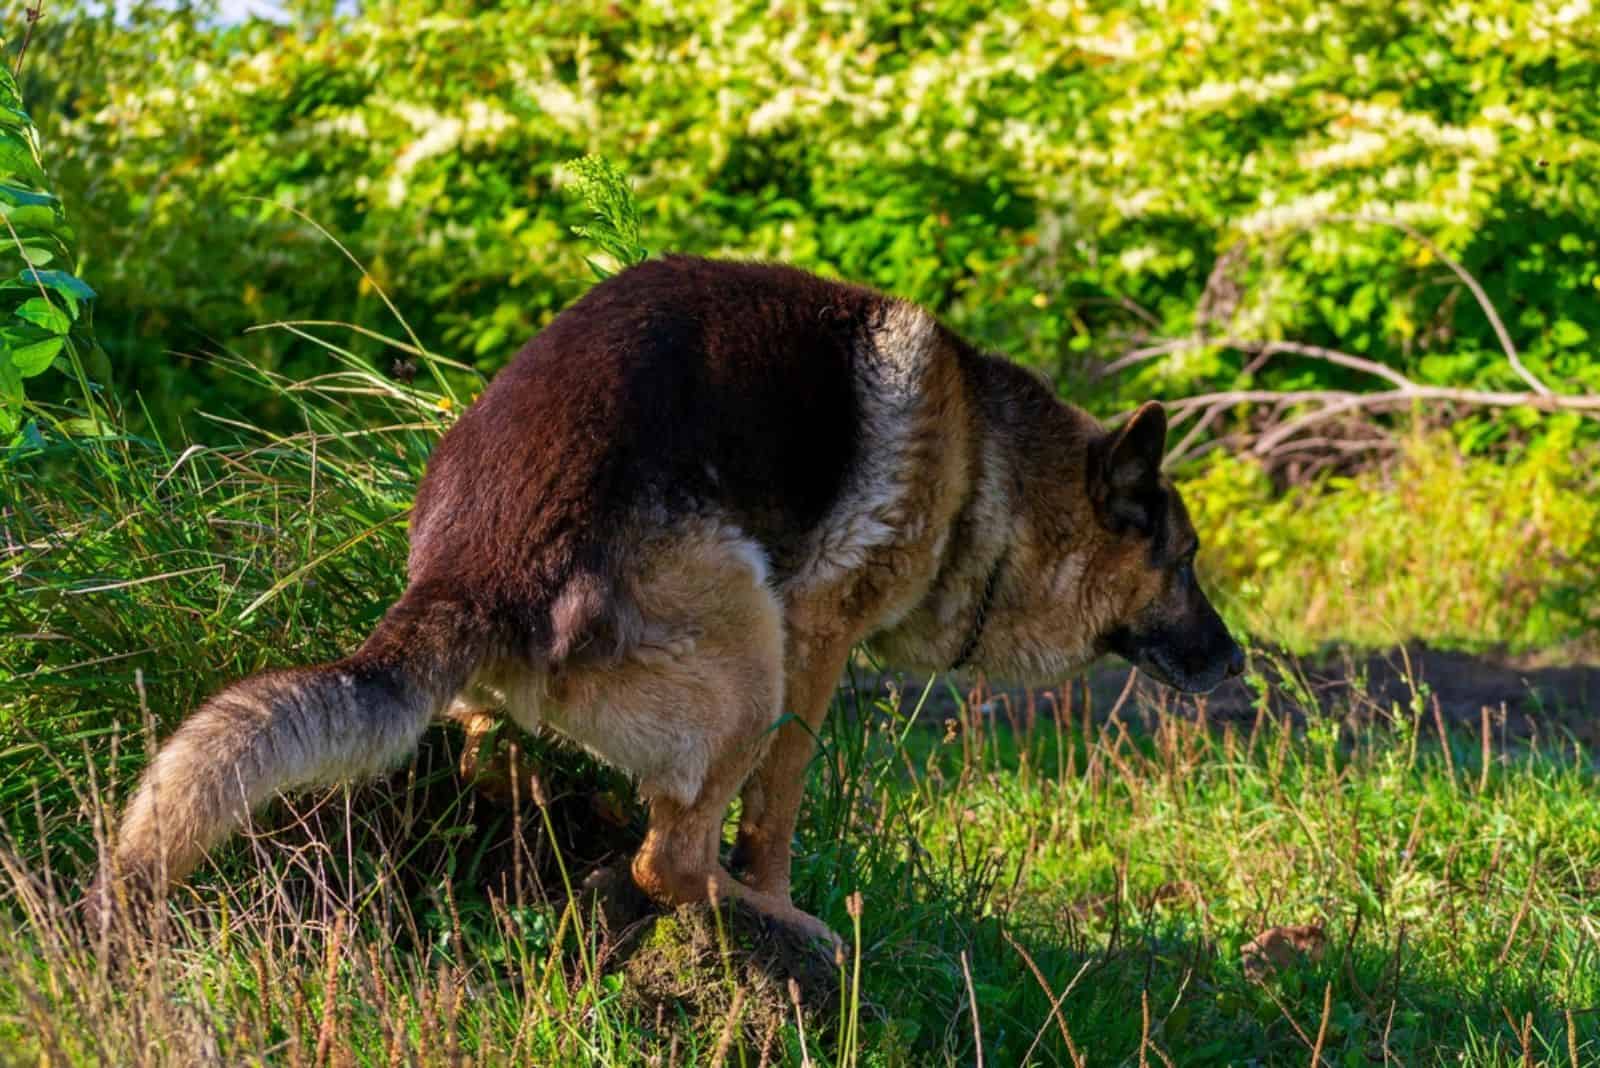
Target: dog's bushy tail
column 298, row 727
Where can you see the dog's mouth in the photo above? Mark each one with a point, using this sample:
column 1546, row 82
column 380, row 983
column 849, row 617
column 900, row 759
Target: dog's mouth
column 1159, row 664
column 1183, row 683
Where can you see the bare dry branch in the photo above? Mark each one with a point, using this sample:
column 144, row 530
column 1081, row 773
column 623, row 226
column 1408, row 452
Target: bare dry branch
column 1261, row 348
column 1470, row 282
column 1293, row 412
column 1151, row 352
column 1332, row 402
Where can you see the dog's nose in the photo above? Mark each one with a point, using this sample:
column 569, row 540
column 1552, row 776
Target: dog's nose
column 1236, row 662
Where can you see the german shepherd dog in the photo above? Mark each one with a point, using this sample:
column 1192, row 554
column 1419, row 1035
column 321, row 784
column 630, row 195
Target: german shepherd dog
column 662, row 529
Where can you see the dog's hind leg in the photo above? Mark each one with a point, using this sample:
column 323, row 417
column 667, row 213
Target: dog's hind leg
column 678, row 862
column 690, row 712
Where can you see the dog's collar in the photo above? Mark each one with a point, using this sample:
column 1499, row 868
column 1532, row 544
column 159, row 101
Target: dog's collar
column 985, row 603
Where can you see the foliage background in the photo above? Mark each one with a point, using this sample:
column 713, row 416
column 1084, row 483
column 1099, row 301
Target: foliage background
column 1056, row 179
column 1064, row 182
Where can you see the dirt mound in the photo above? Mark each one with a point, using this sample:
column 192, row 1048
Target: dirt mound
column 730, row 974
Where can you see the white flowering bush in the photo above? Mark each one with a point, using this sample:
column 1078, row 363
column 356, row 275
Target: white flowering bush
column 1059, row 179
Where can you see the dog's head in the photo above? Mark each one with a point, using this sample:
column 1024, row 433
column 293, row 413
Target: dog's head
column 1163, row 622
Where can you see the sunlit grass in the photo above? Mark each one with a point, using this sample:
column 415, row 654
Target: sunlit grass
column 1463, row 551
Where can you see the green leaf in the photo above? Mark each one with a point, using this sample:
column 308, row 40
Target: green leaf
column 11, row 395
column 37, row 256
column 9, row 96
column 60, row 281
column 1568, row 333
column 10, row 383
column 41, row 312
column 16, row 158
column 23, row 197
column 30, row 435
column 15, row 118
column 88, row 426
column 31, row 218
column 34, row 359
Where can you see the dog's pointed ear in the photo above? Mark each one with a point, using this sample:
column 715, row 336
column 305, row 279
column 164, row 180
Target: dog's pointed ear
column 1126, row 484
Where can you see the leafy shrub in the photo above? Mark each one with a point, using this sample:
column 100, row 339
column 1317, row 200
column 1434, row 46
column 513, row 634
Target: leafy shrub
column 44, row 306
column 1061, row 183
column 1058, row 180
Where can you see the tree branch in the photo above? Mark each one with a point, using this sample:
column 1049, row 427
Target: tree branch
column 1470, row 282
column 1259, row 348
column 1329, row 404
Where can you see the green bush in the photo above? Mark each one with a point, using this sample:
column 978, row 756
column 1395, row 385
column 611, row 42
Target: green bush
column 1062, row 183
column 44, row 307
column 1059, row 180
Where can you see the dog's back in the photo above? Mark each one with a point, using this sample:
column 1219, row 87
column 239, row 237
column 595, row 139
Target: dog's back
column 679, row 387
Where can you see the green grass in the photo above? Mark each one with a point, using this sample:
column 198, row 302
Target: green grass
column 1067, row 870
column 1129, row 865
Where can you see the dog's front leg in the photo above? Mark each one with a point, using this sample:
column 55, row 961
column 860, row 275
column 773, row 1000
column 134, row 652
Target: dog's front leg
column 771, row 796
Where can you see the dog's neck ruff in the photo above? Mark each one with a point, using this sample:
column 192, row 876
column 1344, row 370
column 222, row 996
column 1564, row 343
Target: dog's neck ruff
column 981, row 617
